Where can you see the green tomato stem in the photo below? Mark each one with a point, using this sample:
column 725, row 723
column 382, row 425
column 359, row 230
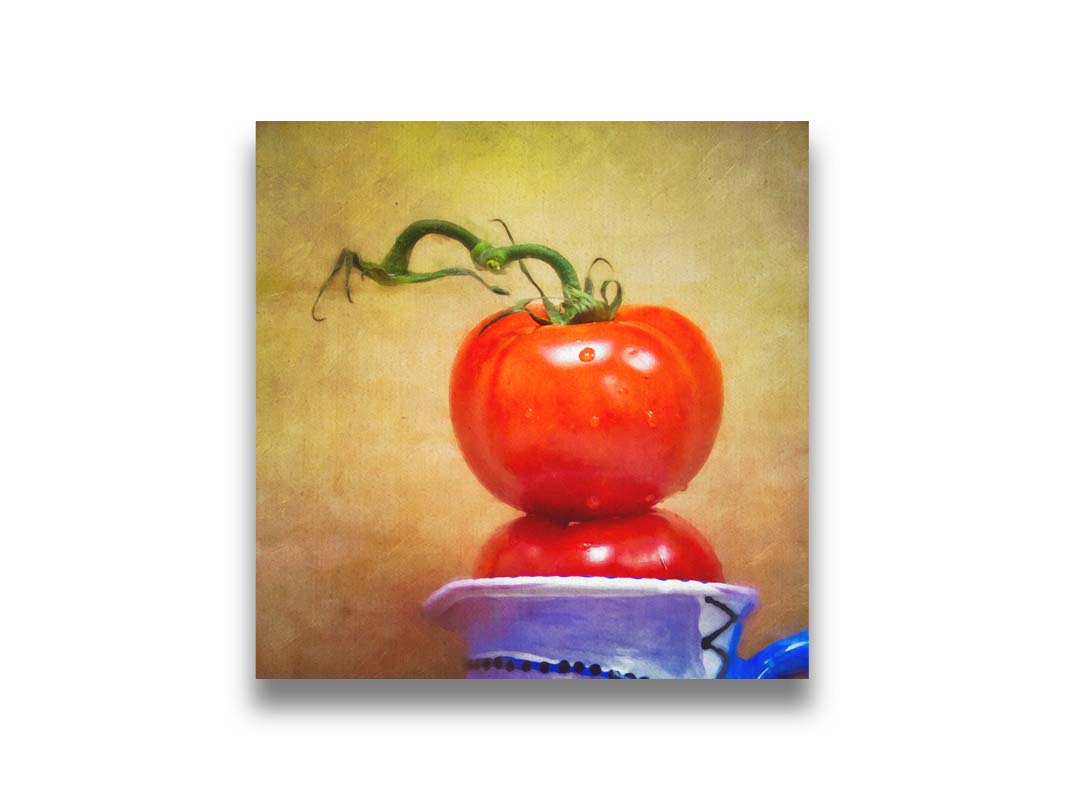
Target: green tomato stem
column 578, row 304
column 410, row 236
column 499, row 257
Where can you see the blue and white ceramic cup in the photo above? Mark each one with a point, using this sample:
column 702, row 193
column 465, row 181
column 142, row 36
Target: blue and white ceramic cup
column 570, row 627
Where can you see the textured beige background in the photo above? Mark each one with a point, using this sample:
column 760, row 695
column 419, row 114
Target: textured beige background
column 364, row 504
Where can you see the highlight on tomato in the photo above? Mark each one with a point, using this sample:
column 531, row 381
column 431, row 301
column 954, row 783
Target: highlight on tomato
column 656, row 544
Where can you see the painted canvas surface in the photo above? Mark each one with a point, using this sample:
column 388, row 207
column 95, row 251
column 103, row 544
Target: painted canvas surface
column 431, row 503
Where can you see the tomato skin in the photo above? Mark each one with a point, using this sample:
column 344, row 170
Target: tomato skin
column 657, row 544
column 587, row 421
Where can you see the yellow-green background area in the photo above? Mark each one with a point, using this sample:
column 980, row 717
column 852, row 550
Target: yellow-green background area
column 364, row 503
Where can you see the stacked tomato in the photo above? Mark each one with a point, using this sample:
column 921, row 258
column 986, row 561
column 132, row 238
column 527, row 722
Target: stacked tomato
column 586, row 428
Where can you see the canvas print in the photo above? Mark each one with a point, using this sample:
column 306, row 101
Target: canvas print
column 532, row 400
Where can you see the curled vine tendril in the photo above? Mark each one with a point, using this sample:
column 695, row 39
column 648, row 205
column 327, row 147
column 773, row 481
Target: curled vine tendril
column 579, row 305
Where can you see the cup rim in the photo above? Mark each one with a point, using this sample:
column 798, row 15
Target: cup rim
column 453, row 592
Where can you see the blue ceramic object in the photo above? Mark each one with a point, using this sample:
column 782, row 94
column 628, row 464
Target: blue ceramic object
column 608, row 628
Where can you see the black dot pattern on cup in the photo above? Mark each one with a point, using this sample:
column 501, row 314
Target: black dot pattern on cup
column 563, row 667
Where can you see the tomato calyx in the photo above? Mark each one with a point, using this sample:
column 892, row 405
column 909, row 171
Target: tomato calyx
column 574, row 310
column 579, row 305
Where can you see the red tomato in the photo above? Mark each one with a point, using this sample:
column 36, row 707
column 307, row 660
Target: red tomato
column 657, row 544
column 587, row 421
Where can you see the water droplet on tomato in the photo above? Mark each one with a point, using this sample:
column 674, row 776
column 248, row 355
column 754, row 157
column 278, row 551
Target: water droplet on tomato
column 649, row 498
column 528, row 413
column 587, row 354
column 651, row 419
column 594, row 421
column 592, row 502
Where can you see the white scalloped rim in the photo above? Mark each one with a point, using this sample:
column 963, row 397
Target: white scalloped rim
column 455, row 591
